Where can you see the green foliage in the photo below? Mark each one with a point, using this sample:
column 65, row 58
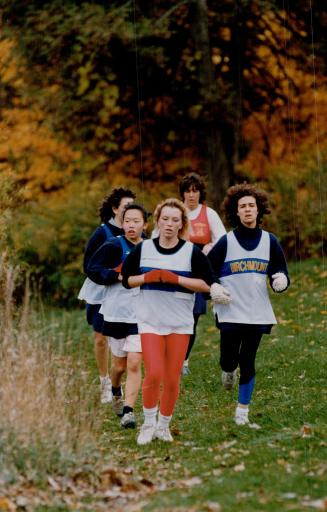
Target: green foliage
column 50, row 237
column 74, row 45
column 119, row 82
column 299, row 212
column 103, row 67
column 10, row 197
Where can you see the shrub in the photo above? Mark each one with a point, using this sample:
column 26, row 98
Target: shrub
column 299, row 211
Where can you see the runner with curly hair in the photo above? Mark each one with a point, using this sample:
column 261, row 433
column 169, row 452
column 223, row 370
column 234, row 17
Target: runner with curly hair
column 111, row 216
column 242, row 261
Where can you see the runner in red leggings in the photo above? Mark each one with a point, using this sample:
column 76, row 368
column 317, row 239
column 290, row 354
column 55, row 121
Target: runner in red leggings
column 168, row 270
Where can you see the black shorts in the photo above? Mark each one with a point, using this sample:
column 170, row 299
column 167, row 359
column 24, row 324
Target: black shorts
column 93, row 316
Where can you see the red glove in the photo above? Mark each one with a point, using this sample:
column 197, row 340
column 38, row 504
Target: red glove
column 169, row 277
column 154, row 276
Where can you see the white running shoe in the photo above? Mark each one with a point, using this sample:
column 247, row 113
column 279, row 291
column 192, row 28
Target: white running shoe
column 146, row 434
column 118, row 404
column 163, row 433
column 241, row 416
column 229, row 379
column 186, row 370
column 128, row 420
column 105, row 390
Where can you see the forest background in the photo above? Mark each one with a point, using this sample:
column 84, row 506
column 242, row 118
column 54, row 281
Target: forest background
column 100, row 94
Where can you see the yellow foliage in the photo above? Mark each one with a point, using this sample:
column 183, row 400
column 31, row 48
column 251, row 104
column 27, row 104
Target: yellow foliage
column 27, row 145
column 225, row 33
column 272, row 132
column 8, row 67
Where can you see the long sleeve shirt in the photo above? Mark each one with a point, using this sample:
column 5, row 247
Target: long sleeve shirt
column 99, row 237
column 249, row 239
column 200, row 265
column 102, row 265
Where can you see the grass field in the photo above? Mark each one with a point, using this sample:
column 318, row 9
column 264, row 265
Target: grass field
column 213, row 465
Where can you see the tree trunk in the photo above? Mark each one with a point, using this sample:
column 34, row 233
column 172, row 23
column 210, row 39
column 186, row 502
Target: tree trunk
column 216, row 163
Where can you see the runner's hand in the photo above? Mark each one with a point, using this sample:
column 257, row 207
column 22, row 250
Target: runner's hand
column 219, row 294
column 279, row 283
column 169, row 277
column 154, row 276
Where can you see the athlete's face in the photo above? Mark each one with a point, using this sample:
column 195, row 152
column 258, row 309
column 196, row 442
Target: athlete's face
column 133, row 225
column 121, row 208
column 192, row 198
column 247, row 211
column 170, row 222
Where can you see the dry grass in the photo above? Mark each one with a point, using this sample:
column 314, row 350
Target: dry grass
column 46, row 405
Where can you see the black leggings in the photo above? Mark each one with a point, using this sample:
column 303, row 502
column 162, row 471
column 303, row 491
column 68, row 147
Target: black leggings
column 192, row 337
column 239, row 347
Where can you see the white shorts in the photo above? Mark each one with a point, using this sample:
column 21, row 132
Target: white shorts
column 121, row 347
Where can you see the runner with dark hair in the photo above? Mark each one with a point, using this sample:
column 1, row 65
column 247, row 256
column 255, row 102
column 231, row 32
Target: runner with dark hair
column 242, row 261
column 118, row 312
column 206, row 228
column 110, row 212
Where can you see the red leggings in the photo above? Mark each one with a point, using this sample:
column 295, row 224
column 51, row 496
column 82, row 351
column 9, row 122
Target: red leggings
column 163, row 357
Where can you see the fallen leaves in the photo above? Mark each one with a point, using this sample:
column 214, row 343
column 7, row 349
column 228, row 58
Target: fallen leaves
column 226, row 445
column 320, row 504
column 6, row 505
column 212, row 506
column 239, row 467
column 190, row 482
column 117, row 487
column 254, row 426
column 306, row 431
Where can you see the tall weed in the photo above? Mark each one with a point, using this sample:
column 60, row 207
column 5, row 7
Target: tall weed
column 47, row 414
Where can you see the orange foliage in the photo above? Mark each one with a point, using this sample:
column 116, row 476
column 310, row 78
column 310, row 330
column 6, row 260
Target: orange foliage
column 28, row 146
column 273, row 132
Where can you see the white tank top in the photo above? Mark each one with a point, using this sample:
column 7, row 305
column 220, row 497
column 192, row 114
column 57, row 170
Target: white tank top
column 118, row 302
column 244, row 274
column 92, row 292
column 162, row 308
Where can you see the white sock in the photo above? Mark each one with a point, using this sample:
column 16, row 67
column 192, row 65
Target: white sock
column 185, row 362
column 242, row 411
column 106, row 378
column 163, row 421
column 150, row 416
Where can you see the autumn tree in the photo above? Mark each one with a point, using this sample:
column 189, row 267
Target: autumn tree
column 165, row 86
column 95, row 94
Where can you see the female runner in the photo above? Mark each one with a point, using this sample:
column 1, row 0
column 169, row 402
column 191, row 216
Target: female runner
column 206, row 228
column 110, row 213
column 118, row 312
column 168, row 270
column 242, row 260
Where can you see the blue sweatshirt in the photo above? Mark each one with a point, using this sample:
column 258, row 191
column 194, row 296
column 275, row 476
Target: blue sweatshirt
column 99, row 237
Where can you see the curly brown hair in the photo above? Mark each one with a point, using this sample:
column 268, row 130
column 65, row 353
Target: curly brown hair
column 233, row 194
column 113, row 201
column 173, row 203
